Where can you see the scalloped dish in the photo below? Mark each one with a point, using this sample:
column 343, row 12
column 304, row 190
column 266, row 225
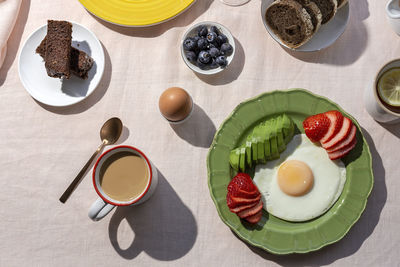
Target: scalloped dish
column 136, row 13
column 271, row 233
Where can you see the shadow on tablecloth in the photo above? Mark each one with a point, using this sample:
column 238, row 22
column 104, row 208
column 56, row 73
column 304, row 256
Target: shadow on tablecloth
column 182, row 20
column 354, row 239
column 349, row 47
column 198, row 130
column 163, row 227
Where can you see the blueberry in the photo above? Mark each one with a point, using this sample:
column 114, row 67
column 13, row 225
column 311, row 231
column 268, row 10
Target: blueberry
column 212, row 37
column 226, row 49
column 213, row 64
column 202, row 31
column 221, row 60
column 214, row 29
column 202, row 43
column 209, row 46
column 214, row 52
column 196, row 38
column 189, row 44
column 201, row 65
column 191, row 56
column 222, row 39
column 204, row 57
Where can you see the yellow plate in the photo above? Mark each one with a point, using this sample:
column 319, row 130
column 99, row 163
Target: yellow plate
column 136, row 12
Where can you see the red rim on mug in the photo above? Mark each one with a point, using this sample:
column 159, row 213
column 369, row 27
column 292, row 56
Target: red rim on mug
column 105, row 199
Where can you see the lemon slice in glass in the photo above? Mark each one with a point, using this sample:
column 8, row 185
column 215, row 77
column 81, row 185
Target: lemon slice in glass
column 389, row 87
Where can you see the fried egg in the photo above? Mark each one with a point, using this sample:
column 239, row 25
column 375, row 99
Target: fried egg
column 302, row 184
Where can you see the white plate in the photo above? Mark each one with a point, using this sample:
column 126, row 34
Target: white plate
column 324, row 37
column 54, row 91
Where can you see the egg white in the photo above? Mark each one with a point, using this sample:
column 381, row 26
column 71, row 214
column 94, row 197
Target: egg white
column 329, row 180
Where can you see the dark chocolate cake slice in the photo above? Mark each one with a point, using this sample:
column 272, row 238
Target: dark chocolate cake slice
column 58, row 49
column 80, row 62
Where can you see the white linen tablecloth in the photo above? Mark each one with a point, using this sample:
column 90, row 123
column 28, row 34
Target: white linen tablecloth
column 43, row 148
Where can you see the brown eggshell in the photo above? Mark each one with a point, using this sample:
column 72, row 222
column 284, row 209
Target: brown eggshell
column 175, row 104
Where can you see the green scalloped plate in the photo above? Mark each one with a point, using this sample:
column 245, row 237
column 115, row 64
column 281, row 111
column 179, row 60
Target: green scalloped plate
column 273, row 234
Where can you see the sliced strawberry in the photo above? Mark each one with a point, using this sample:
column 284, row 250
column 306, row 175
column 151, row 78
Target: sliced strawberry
column 255, row 218
column 350, row 138
column 336, row 119
column 341, row 135
column 316, row 126
column 244, row 182
column 233, row 190
column 251, row 211
column 234, row 202
column 342, row 152
column 243, row 207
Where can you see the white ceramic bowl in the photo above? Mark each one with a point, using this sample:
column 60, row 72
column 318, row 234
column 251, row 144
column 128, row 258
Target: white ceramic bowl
column 54, row 91
column 324, row 37
column 393, row 14
column 192, row 31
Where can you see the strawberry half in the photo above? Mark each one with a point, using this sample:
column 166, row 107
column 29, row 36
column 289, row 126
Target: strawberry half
column 243, row 207
column 316, row 126
column 350, row 138
column 336, row 119
column 243, row 182
column 251, row 211
column 342, row 152
column 234, row 202
column 254, row 218
column 341, row 135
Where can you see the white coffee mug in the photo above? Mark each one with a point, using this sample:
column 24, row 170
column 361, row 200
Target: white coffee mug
column 104, row 204
column 393, row 14
column 372, row 102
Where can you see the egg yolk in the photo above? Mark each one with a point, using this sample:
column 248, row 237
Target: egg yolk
column 295, row 178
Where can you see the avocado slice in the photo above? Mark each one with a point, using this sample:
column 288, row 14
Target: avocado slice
column 254, row 149
column 288, row 128
column 249, row 159
column 279, row 134
column 258, row 134
column 234, row 158
column 242, row 159
column 267, row 145
column 273, row 141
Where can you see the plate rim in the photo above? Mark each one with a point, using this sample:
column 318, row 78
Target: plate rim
column 298, row 49
column 78, row 100
column 292, row 251
column 139, row 25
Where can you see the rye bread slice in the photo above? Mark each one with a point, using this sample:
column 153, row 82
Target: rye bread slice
column 290, row 22
column 328, row 9
column 314, row 12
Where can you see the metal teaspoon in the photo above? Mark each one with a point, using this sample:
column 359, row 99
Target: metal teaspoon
column 109, row 134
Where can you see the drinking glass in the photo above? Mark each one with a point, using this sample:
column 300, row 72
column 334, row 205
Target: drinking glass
column 234, row 2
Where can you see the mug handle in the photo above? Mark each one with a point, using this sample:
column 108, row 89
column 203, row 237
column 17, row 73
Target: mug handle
column 99, row 209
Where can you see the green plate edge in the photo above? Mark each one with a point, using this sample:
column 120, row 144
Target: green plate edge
column 248, row 232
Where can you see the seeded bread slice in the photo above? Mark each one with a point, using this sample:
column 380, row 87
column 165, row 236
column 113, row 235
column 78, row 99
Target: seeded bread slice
column 328, row 9
column 341, row 3
column 313, row 10
column 290, row 22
